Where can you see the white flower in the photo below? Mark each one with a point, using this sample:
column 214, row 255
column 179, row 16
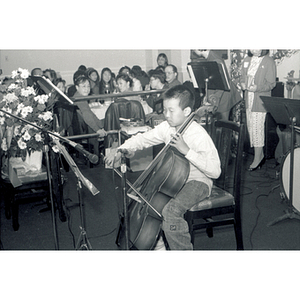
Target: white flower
column 22, row 145
column 41, row 99
column 4, row 145
column 17, row 130
column 26, row 136
column 38, row 137
column 24, row 113
column 10, row 97
column 24, row 73
column 14, row 74
column 12, row 86
column 26, row 110
column 2, row 119
column 27, row 92
column 20, row 107
column 46, row 116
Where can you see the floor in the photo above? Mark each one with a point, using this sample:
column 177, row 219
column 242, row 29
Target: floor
column 261, row 204
column 108, row 272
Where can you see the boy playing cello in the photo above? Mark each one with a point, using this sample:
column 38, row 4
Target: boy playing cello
column 196, row 146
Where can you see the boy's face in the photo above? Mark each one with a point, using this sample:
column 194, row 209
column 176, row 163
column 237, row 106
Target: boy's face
column 174, row 115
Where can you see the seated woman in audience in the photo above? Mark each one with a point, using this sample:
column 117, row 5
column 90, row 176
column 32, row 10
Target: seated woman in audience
column 124, row 83
column 157, row 82
column 88, row 122
column 94, row 79
column 106, row 82
column 140, row 81
column 162, row 60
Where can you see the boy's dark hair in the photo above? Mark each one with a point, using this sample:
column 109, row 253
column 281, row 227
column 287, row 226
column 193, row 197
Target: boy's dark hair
column 183, row 93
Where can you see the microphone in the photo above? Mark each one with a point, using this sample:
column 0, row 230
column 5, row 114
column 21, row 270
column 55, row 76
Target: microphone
column 92, row 157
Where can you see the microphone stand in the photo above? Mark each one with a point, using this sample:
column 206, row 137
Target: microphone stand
column 125, row 204
column 46, row 152
column 82, row 242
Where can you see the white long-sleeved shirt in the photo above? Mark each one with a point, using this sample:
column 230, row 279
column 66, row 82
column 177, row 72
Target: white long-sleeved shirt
column 203, row 156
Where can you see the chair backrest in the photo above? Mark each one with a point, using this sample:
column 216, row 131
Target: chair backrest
column 122, row 108
column 228, row 137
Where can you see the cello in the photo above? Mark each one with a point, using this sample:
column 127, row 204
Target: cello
column 163, row 178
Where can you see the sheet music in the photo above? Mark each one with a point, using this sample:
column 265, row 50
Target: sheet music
column 192, row 76
column 225, row 75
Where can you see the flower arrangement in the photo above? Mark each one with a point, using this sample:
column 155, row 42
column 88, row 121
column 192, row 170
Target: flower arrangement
column 17, row 137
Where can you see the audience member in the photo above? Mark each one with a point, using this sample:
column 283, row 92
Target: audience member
column 124, row 83
column 171, row 76
column 162, row 60
column 106, row 82
column 124, row 70
column 139, row 78
column 72, row 89
column 51, row 74
column 82, row 68
column 94, row 79
column 157, row 82
column 36, row 72
column 60, row 84
column 87, row 119
column 31, row 82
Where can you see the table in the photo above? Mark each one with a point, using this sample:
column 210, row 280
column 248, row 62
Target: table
column 32, row 187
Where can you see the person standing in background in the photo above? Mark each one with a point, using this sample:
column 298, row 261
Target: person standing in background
column 258, row 78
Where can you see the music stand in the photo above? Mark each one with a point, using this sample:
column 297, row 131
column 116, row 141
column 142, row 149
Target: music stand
column 287, row 112
column 47, row 86
column 209, row 75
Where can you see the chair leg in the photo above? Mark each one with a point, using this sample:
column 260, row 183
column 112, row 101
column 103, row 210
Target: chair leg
column 191, row 231
column 209, row 232
column 238, row 236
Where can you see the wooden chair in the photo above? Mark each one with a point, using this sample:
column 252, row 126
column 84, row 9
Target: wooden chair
column 223, row 205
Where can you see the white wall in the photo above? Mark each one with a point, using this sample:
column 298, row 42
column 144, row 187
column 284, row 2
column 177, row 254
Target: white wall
column 66, row 62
